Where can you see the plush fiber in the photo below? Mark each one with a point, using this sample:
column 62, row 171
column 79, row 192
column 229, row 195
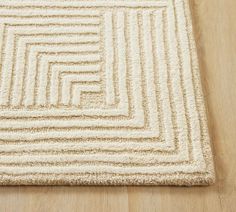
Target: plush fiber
column 103, row 92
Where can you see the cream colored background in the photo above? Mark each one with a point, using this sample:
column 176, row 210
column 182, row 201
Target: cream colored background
column 215, row 29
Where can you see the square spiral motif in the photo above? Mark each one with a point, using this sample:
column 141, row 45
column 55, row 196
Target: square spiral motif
column 101, row 92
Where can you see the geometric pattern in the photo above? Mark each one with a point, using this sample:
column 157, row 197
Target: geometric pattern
column 101, row 92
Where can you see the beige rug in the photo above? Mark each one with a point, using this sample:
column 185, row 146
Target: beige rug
column 101, row 92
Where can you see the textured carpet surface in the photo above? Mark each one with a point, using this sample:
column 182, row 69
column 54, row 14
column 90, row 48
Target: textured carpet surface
column 101, row 92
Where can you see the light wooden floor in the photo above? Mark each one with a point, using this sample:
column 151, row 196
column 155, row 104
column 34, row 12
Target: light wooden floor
column 215, row 29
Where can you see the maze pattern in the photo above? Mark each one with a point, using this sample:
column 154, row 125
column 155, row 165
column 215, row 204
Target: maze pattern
column 101, row 92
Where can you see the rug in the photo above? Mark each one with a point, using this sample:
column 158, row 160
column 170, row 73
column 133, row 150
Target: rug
column 101, row 92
